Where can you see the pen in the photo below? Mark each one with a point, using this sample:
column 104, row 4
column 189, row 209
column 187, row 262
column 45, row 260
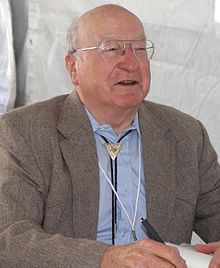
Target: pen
column 151, row 230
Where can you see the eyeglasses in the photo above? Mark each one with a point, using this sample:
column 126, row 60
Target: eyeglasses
column 143, row 49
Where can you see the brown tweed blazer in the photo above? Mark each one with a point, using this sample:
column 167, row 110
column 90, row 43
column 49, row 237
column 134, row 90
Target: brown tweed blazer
column 49, row 182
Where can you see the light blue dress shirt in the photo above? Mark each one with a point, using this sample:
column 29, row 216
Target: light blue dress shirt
column 127, row 183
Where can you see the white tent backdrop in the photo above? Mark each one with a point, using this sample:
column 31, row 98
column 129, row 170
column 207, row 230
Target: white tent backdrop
column 7, row 61
column 185, row 67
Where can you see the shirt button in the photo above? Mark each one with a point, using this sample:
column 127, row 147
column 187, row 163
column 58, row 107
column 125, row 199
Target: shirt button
column 123, row 234
column 124, row 192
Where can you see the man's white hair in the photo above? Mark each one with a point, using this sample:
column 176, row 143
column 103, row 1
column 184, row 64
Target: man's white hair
column 72, row 36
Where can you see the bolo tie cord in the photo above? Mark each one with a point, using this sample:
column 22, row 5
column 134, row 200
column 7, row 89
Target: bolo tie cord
column 114, row 182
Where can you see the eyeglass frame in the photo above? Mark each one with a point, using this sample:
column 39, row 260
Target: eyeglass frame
column 123, row 41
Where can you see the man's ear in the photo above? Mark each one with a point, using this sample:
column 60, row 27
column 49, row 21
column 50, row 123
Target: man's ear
column 70, row 61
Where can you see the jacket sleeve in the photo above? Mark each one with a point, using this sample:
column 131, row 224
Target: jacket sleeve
column 207, row 218
column 23, row 191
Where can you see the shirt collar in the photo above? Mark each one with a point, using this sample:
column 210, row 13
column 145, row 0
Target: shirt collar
column 97, row 127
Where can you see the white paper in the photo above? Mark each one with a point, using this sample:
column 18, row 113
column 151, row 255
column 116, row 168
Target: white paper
column 193, row 258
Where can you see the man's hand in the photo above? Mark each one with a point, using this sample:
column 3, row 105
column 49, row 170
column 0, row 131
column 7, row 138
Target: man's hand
column 211, row 248
column 146, row 253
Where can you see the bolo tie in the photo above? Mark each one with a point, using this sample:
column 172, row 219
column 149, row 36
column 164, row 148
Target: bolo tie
column 113, row 149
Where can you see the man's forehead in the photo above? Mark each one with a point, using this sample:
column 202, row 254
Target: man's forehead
column 108, row 10
column 109, row 23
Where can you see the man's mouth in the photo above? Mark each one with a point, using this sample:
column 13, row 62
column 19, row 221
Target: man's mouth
column 127, row 82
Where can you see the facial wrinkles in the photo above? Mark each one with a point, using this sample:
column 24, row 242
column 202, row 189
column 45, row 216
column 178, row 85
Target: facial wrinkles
column 102, row 26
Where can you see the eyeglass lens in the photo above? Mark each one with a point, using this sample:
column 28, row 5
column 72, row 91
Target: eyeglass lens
column 140, row 48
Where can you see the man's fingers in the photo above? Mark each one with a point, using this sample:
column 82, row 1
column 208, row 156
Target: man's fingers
column 142, row 254
column 207, row 248
column 141, row 258
column 215, row 261
column 168, row 253
column 154, row 261
column 204, row 249
column 211, row 248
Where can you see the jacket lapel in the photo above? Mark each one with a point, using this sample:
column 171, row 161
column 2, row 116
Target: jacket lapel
column 79, row 151
column 159, row 163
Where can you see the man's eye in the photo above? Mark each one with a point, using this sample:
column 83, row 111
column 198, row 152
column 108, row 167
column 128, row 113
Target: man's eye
column 111, row 49
column 142, row 52
column 140, row 49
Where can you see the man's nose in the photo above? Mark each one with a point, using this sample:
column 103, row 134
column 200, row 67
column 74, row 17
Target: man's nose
column 129, row 60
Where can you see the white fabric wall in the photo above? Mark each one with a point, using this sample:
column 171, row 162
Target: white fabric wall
column 7, row 61
column 185, row 67
column 20, row 15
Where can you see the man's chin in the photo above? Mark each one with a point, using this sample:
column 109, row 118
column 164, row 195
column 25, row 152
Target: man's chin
column 128, row 104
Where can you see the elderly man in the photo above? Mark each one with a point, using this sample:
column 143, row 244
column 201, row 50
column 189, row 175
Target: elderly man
column 79, row 171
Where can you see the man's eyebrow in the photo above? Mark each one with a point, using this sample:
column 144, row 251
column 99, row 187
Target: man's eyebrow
column 110, row 37
column 140, row 37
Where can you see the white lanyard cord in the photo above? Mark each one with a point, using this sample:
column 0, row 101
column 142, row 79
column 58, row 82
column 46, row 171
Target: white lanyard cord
column 138, row 191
